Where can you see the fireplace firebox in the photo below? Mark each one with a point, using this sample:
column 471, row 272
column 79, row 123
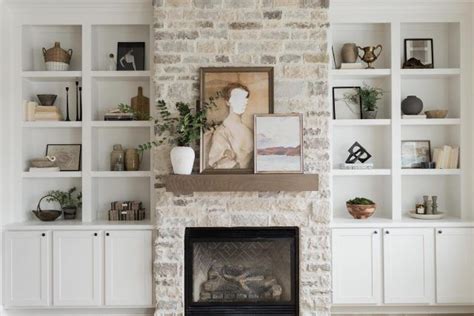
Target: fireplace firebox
column 241, row 271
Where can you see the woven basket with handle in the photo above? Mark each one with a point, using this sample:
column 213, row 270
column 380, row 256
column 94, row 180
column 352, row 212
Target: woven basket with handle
column 46, row 215
column 57, row 54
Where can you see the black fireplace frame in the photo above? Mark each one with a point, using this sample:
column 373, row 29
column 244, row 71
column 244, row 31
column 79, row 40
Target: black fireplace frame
column 203, row 234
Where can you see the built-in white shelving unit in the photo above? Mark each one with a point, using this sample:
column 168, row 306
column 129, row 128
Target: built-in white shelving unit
column 92, row 38
column 396, row 190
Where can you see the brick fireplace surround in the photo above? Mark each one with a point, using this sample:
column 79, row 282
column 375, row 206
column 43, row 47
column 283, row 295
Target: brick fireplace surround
column 291, row 36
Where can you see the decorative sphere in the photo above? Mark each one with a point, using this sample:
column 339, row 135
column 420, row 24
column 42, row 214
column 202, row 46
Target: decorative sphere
column 412, row 105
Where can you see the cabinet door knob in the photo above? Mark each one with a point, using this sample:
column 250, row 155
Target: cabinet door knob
column 95, row 234
column 107, row 234
column 387, row 232
column 376, row 232
column 440, row 231
column 43, row 234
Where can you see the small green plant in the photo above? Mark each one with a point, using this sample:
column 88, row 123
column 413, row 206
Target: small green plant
column 182, row 130
column 67, row 199
column 360, row 201
column 125, row 108
column 368, row 96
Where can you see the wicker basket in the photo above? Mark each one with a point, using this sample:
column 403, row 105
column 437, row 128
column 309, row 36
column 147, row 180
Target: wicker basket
column 47, row 215
column 56, row 58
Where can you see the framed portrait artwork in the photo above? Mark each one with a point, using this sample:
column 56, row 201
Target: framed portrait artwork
column 421, row 49
column 68, row 157
column 346, row 103
column 131, row 56
column 242, row 92
column 278, row 143
column 415, row 153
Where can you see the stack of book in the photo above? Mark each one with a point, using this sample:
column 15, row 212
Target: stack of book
column 47, row 113
column 352, row 66
column 126, row 211
column 419, row 116
column 446, row 157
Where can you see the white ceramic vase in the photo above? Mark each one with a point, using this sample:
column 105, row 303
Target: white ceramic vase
column 182, row 159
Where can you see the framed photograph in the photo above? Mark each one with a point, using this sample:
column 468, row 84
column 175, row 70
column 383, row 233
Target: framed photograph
column 415, row 152
column 278, row 143
column 421, row 49
column 243, row 92
column 131, row 56
column 68, row 157
column 346, row 103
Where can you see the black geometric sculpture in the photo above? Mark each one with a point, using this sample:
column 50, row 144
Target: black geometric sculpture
column 357, row 152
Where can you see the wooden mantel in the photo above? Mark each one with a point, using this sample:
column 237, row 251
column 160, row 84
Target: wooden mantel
column 241, row 183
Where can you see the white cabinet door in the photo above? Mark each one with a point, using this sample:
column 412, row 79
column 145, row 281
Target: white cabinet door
column 409, row 265
column 27, row 268
column 77, row 268
column 455, row 266
column 356, row 266
column 128, row 268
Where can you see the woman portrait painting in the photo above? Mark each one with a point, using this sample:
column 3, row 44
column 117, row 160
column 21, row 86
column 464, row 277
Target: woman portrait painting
column 243, row 92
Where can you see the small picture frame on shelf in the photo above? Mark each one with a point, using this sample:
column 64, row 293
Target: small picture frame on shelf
column 278, row 143
column 346, row 103
column 131, row 56
column 415, row 153
column 68, row 156
column 419, row 53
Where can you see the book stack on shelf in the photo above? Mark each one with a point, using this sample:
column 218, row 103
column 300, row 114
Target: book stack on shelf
column 414, row 117
column 352, row 66
column 446, row 157
column 126, row 211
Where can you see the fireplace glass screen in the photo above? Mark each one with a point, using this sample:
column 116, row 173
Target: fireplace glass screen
column 236, row 271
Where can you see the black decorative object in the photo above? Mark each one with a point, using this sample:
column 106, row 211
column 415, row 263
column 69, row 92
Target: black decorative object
column 418, row 53
column 80, row 103
column 67, row 105
column 412, row 105
column 357, row 153
column 131, row 56
column 77, row 101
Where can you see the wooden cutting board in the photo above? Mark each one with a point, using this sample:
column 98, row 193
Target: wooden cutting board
column 141, row 103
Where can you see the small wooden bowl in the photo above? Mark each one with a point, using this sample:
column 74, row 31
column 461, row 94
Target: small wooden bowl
column 436, row 114
column 361, row 211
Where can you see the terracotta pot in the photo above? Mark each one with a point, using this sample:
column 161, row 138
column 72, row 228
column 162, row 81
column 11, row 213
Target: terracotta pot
column 361, row 211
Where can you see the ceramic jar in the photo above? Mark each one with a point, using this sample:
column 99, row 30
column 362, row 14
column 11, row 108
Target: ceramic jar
column 182, row 159
column 349, row 53
column 132, row 159
column 117, row 158
column 412, row 105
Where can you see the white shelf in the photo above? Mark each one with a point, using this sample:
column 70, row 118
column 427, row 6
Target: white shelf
column 79, row 225
column 112, row 124
column 51, row 75
column 377, row 122
column 431, row 172
column 120, row 75
column 445, row 121
column 121, row 174
column 369, row 172
column 63, row 174
column 52, row 124
column 359, row 73
column 429, row 73
column 406, row 221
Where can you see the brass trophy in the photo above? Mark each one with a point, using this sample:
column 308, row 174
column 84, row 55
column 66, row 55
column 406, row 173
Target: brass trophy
column 369, row 54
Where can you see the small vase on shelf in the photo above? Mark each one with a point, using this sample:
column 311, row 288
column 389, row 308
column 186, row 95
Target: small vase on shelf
column 182, row 159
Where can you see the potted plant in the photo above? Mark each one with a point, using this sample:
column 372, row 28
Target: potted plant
column 69, row 200
column 181, row 131
column 361, row 208
column 368, row 96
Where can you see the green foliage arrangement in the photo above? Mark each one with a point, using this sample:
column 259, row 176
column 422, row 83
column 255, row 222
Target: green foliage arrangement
column 125, row 108
column 368, row 96
column 360, row 201
column 67, row 199
column 182, row 130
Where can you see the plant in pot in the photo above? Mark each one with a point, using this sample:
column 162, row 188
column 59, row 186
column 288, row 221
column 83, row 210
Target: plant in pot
column 69, row 200
column 368, row 96
column 181, row 131
column 361, row 208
